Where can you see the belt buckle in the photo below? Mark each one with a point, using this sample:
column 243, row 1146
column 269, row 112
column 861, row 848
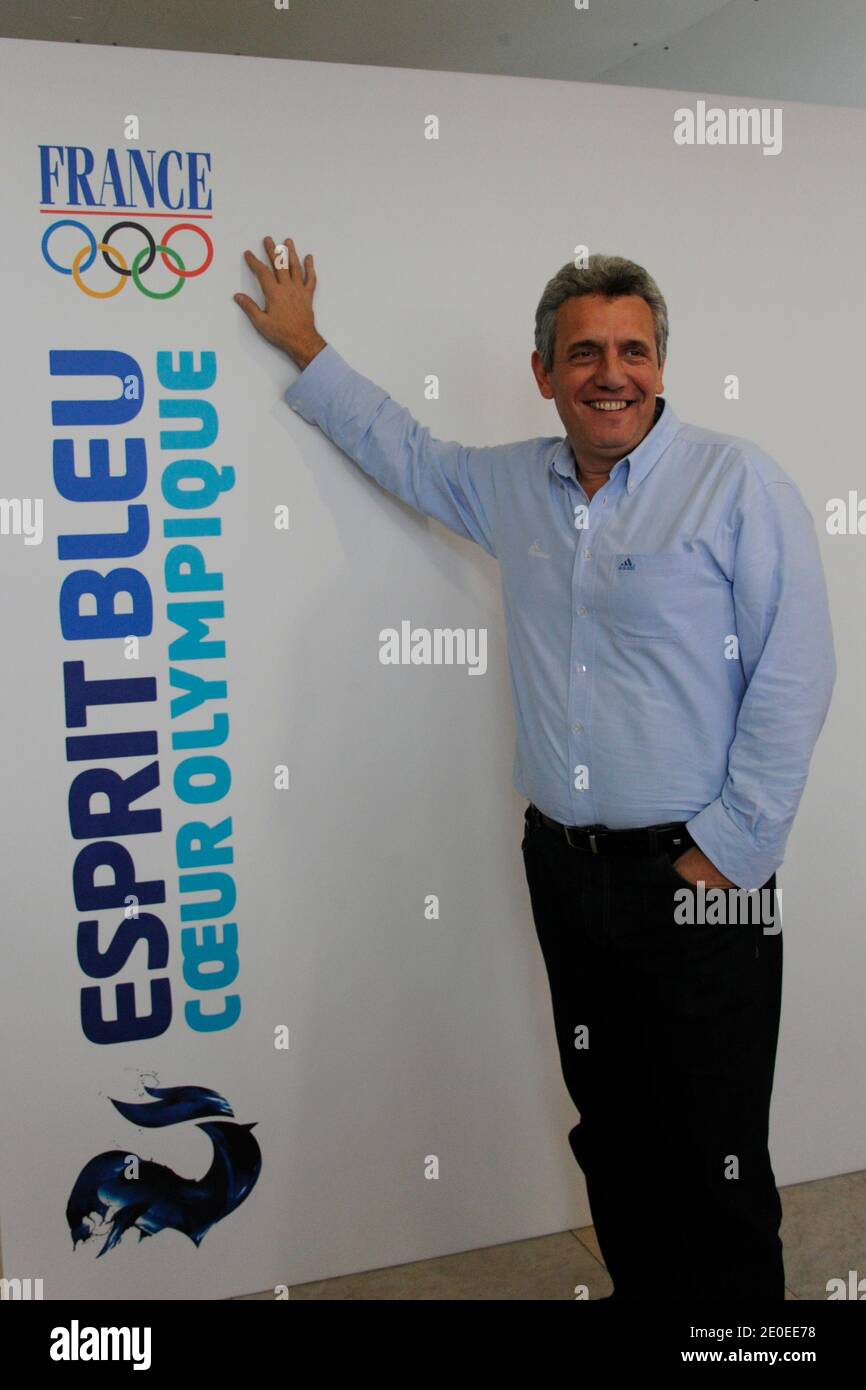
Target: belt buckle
column 592, row 840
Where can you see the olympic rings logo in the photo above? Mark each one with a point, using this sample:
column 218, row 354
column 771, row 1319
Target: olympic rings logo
column 124, row 271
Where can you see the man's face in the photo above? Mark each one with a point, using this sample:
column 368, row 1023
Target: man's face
column 605, row 352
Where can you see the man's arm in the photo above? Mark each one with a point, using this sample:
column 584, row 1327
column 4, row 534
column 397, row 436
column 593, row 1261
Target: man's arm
column 443, row 479
column 786, row 649
column 449, row 481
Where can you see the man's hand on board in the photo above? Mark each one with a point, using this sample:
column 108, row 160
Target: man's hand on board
column 287, row 319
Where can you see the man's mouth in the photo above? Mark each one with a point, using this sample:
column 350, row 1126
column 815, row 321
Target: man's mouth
column 609, row 407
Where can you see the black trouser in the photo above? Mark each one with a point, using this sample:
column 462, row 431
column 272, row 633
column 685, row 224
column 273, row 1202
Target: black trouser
column 673, row 1074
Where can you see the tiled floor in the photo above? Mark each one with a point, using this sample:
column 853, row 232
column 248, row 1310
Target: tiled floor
column 823, row 1234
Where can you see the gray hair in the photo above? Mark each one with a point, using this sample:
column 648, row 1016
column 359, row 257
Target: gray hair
column 611, row 276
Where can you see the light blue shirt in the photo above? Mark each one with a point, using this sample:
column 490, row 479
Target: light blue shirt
column 669, row 641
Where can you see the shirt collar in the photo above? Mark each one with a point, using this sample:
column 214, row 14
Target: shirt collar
column 640, row 460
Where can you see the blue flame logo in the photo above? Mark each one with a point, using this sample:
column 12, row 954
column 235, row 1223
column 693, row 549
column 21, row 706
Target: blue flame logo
column 158, row 1199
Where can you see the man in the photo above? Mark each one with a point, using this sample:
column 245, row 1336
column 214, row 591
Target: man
column 672, row 663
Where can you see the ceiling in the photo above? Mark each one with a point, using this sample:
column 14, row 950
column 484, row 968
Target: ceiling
column 797, row 50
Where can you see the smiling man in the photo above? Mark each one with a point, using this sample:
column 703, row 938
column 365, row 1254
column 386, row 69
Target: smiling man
column 605, row 380
column 671, row 659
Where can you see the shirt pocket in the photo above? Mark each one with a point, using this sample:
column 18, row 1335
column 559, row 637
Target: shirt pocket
column 653, row 597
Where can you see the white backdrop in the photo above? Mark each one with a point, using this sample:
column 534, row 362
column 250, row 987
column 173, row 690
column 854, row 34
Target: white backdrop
column 408, row 1037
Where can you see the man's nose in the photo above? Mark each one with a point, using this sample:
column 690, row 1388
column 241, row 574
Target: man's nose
column 609, row 372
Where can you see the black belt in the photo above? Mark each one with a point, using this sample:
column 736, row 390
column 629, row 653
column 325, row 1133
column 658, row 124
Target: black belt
column 599, row 839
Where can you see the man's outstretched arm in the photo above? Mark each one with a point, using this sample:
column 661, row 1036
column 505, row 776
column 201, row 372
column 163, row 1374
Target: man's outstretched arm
column 443, row 479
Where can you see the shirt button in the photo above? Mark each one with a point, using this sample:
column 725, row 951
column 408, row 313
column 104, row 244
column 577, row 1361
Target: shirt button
column 581, row 670
column 577, row 728
column 587, row 554
column 582, row 612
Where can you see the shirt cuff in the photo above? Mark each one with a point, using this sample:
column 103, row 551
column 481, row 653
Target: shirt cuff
column 730, row 849
column 315, row 383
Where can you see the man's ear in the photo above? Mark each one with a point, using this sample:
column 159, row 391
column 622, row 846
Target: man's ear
column 541, row 377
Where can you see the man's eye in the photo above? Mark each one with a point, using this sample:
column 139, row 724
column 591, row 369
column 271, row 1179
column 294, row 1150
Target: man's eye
column 585, row 352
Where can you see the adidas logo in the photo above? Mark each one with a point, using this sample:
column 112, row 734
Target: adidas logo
column 626, row 564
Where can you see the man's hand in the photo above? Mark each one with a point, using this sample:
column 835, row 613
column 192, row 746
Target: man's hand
column 287, row 319
column 694, row 866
